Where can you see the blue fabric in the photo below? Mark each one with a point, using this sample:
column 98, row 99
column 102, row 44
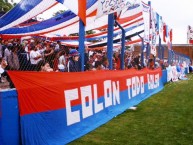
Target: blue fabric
column 50, row 128
column 18, row 11
column 178, row 68
column 9, row 120
column 42, row 25
column 67, row 15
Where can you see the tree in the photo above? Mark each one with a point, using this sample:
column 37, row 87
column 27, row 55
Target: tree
column 58, row 12
column 5, row 6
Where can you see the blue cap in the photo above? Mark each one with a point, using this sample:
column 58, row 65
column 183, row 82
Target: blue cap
column 74, row 52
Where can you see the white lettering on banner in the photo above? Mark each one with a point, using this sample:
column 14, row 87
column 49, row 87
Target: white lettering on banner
column 87, row 110
column 134, row 90
column 153, row 81
column 72, row 116
column 142, row 84
column 128, row 81
column 108, row 94
column 111, row 97
column 116, row 93
column 90, row 104
column 106, row 7
column 97, row 106
column 136, row 85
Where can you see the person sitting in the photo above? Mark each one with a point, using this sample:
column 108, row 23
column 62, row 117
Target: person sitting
column 98, row 65
column 43, row 66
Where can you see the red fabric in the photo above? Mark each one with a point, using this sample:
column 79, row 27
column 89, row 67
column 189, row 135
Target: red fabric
column 171, row 35
column 55, row 67
column 82, row 10
column 190, row 41
column 164, row 33
column 42, row 91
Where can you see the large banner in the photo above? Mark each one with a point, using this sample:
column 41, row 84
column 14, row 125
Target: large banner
column 106, row 7
column 190, row 35
column 56, row 107
column 153, row 32
column 146, row 18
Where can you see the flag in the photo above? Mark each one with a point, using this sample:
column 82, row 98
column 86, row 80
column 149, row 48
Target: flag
column 190, row 35
column 164, row 33
column 106, row 7
column 56, row 108
column 76, row 6
column 171, row 35
column 153, row 33
column 160, row 27
column 157, row 23
column 146, row 17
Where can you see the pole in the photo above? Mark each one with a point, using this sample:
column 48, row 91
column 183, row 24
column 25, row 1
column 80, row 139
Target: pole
column 110, row 40
column 81, row 43
column 142, row 48
column 122, row 45
column 159, row 49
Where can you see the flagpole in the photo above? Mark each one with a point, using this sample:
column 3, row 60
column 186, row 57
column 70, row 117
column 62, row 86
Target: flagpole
column 110, row 40
column 122, row 45
column 81, row 48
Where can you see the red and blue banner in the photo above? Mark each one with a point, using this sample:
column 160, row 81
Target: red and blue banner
column 56, row 107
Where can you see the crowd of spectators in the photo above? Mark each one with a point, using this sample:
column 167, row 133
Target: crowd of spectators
column 42, row 55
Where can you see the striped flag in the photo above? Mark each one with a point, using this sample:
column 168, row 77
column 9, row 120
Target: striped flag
column 164, row 32
column 76, row 6
column 106, row 7
column 190, row 35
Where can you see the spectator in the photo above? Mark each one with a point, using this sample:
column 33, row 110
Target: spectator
column 105, row 63
column 49, row 54
column 43, row 66
column 35, row 57
column 73, row 64
column 8, row 50
column 58, row 46
column 62, row 60
column 116, row 59
column 3, row 65
column 13, row 60
column 98, row 65
column 137, row 62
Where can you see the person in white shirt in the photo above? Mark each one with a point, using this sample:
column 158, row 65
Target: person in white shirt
column 57, row 47
column 62, row 61
column 35, row 57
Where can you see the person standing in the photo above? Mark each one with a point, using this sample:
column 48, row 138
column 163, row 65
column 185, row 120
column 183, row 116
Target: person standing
column 73, row 64
column 35, row 57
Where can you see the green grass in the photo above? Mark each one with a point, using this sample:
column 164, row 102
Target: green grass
column 164, row 119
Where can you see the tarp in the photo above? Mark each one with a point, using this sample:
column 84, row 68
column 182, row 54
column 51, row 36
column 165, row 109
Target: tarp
column 24, row 11
column 50, row 25
column 56, row 108
column 68, row 23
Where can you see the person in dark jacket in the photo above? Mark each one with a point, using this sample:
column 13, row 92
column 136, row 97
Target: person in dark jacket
column 73, row 64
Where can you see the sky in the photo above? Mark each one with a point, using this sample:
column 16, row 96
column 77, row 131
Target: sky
column 177, row 14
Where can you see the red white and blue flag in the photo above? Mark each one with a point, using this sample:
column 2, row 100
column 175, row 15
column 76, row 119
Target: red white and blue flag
column 190, row 35
column 57, row 107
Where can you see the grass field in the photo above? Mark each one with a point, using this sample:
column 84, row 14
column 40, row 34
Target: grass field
column 164, row 119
